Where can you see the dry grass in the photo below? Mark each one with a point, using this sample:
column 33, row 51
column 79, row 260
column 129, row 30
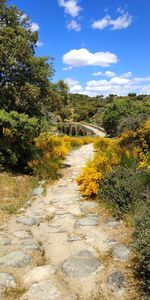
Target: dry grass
column 14, row 191
column 15, row 293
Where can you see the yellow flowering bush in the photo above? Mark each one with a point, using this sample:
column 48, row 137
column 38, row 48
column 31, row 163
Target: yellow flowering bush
column 52, row 150
column 89, row 180
column 137, row 144
column 103, row 162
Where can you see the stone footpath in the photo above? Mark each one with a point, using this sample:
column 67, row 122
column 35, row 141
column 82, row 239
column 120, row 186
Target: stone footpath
column 60, row 247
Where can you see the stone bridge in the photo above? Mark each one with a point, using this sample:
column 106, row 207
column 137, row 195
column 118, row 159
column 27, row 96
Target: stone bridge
column 80, row 129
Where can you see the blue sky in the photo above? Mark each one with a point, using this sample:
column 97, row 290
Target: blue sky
column 99, row 46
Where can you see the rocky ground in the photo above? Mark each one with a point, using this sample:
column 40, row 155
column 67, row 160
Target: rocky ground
column 62, row 246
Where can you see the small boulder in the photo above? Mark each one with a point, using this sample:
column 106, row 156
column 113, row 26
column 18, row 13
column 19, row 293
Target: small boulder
column 21, row 234
column 90, row 220
column 16, row 259
column 26, row 220
column 4, row 240
column 121, row 252
column 112, row 223
column 7, row 280
column 81, row 265
column 43, row 290
column 115, row 280
column 38, row 274
column 38, row 191
column 31, row 245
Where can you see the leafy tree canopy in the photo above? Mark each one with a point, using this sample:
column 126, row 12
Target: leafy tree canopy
column 24, row 78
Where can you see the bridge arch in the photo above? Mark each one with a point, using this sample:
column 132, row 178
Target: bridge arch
column 73, row 131
column 81, row 129
column 67, row 130
column 63, row 129
column 81, row 132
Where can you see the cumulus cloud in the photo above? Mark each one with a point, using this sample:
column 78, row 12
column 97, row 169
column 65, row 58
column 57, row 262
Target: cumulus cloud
column 127, row 75
column 107, row 73
column 102, row 23
column 110, row 74
column 123, row 21
column 71, row 7
column 83, row 57
column 116, row 85
column 74, row 85
column 74, row 25
column 35, row 27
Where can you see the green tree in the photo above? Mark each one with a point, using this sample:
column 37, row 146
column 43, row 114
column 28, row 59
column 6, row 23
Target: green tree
column 24, row 78
column 125, row 113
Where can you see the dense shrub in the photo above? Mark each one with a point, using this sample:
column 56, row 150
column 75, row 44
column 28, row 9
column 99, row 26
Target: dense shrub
column 52, row 151
column 17, row 133
column 104, row 160
column 142, row 244
column 125, row 113
column 131, row 123
column 121, row 189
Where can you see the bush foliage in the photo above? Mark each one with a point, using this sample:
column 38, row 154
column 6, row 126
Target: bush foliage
column 17, row 133
column 104, row 160
column 121, row 189
column 125, row 113
column 52, row 151
column 142, row 244
column 120, row 175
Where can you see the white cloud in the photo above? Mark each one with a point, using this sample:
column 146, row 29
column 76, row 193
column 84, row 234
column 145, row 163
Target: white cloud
column 67, row 68
column 110, row 74
column 39, row 44
column 119, row 80
column 34, row 27
column 71, row 7
column 83, row 57
column 74, row 85
column 73, row 25
column 98, row 73
column 107, row 73
column 123, row 21
column 102, row 23
column 127, row 75
column 141, row 79
column 116, row 85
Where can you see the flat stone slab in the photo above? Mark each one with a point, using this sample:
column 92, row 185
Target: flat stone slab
column 115, row 280
column 110, row 242
column 112, row 223
column 121, row 252
column 22, row 234
column 31, row 245
column 88, row 204
column 43, row 290
column 38, row 274
column 4, row 240
column 90, row 220
column 73, row 239
column 38, row 191
column 16, row 259
column 26, row 220
column 7, row 280
column 81, row 265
